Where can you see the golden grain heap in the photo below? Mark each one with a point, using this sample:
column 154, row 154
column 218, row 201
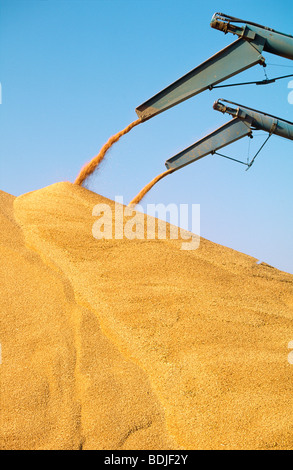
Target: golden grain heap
column 136, row 344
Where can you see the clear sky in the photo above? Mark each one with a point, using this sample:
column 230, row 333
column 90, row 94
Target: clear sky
column 73, row 72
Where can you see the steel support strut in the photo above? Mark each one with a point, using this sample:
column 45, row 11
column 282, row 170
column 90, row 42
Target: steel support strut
column 244, row 121
column 242, row 54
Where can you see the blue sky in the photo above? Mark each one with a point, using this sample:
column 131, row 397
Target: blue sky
column 73, row 72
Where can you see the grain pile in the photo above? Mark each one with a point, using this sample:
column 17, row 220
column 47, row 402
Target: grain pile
column 136, row 344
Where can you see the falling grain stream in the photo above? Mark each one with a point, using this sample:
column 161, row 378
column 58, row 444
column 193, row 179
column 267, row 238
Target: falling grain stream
column 91, row 166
